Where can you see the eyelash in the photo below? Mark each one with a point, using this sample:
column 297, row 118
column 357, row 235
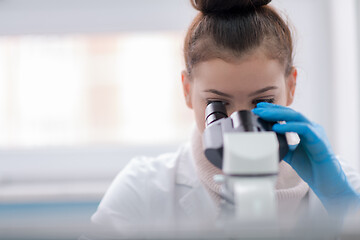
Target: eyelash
column 268, row 100
column 254, row 102
column 217, row 100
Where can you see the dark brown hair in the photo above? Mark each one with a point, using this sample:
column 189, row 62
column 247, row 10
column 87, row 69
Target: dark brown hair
column 232, row 28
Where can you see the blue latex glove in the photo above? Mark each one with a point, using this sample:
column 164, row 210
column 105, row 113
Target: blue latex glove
column 313, row 159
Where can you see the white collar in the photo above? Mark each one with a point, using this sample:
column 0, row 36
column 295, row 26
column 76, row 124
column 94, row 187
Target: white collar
column 186, row 170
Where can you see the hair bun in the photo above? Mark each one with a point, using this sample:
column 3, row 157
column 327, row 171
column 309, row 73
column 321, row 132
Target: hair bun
column 214, row 6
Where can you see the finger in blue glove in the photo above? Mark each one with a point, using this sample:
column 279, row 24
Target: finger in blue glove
column 313, row 158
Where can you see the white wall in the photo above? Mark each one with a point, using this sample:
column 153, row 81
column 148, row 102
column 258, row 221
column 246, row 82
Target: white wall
column 345, row 62
column 92, row 16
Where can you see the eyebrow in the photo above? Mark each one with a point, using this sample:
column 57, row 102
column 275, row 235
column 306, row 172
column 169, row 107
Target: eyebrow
column 263, row 90
column 218, row 93
column 250, row 95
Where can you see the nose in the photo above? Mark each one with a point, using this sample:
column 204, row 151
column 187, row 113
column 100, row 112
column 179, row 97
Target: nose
column 238, row 107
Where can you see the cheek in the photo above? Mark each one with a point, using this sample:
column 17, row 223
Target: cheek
column 199, row 107
column 281, row 99
column 282, row 96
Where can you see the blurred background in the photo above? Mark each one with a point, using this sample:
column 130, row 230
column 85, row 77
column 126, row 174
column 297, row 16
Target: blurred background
column 85, row 85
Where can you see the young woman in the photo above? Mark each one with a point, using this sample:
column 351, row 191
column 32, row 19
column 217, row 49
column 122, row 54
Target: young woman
column 239, row 52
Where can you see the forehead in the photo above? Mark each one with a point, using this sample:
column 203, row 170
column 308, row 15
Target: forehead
column 246, row 74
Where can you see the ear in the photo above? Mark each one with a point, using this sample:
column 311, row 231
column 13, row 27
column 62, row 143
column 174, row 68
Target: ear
column 291, row 85
column 187, row 86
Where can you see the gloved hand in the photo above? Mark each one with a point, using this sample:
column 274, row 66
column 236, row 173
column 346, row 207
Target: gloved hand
column 313, row 159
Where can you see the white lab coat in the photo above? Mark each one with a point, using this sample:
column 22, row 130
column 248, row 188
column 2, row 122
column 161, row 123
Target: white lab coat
column 166, row 189
column 159, row 190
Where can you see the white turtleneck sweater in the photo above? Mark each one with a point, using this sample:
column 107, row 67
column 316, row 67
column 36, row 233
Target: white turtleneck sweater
column 290, row 188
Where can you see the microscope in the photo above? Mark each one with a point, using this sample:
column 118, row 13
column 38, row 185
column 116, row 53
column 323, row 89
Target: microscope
column 248, row 152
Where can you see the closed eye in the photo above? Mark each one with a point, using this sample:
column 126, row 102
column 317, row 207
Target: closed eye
column 268, row 100
column 217, row 100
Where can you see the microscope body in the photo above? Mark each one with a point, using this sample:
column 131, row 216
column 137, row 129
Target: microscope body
column 251, row 174
column 248, row 153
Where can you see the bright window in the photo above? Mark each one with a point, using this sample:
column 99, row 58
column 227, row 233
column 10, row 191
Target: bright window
column 91, row 89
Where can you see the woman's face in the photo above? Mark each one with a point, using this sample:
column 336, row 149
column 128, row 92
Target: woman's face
column 240, row 85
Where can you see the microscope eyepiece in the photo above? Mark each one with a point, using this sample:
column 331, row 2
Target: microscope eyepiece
column 215, row 111
column 240, row 121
